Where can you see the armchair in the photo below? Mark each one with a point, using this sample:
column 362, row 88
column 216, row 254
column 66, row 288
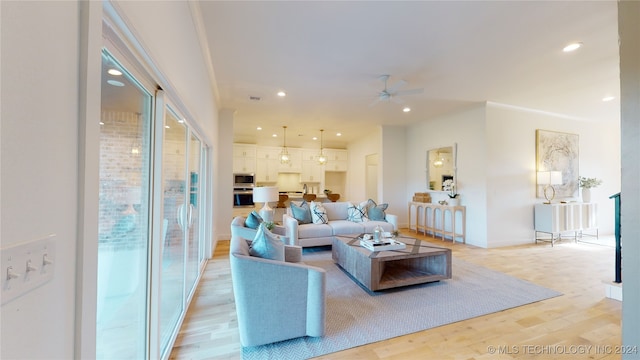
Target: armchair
column 275, row 300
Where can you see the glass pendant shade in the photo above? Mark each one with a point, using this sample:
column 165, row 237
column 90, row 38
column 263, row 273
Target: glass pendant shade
column 284, row 154
column 322, row 159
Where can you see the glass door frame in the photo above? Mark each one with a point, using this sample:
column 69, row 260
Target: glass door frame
column 102, row 27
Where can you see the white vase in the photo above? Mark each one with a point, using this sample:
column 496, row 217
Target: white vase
column 454, row 201
column 586, row 195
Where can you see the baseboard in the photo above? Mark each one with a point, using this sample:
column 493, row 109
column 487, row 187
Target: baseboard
column 613, row 290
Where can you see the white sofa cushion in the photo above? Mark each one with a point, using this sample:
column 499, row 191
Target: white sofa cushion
column 314, row 230
column 345, row 227
column 336, row 210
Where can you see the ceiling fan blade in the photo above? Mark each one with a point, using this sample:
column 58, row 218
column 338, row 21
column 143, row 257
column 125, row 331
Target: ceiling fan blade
column 409, row 92
column 396, row 86
column 397, row 100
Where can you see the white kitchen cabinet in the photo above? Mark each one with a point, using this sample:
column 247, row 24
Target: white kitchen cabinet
column 311, row 170
column 555, row 219
column 337, row 160
column 244, row 158
column 268, row 164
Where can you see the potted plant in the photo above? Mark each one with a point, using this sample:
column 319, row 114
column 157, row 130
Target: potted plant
column 450, row 187
column 586, row 184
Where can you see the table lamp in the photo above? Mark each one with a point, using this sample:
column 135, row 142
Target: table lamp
column 265, row 194
column 548, row 179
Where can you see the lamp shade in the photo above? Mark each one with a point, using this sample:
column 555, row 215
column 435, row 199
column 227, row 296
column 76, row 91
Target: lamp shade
column 265, row 194
column 549, row 177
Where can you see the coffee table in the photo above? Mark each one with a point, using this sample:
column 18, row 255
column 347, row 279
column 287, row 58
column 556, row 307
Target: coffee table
column 420, row 262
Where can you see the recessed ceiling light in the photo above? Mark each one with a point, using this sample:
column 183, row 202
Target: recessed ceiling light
column 406, row 109
column 274, row 135
column 314, row 138
column 167, row 127
column 115, row 83
column 282, row 93
column 181, row 121
column 101, row 123
column 339, row 134
column 114, row 72
column 259, row 128
column 572, row 47
column 608, row 98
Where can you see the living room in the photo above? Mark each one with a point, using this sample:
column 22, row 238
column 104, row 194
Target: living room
column 53, row 154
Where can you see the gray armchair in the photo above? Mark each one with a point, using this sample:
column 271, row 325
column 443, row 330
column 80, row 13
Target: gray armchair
column 275, row 300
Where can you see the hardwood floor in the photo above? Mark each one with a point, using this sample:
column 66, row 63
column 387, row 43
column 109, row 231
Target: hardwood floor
column 581, row 324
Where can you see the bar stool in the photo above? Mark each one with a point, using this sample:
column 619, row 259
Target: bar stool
column 281, row 199
column 309, row 197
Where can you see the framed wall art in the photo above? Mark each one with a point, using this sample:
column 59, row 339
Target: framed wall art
column 558, row 151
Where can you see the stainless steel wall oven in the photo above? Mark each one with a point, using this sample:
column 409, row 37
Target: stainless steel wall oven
column 243, row 197
column 243, row 184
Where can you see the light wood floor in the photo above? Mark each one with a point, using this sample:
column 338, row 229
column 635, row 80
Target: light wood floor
column 582, row 322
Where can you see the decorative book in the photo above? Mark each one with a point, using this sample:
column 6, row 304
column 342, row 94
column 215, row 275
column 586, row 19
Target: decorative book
column 384, row 245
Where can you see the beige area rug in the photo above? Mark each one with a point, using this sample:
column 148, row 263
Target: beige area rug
column 357, row 317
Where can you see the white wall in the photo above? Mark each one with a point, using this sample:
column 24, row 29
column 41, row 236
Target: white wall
column 496, row 166
column 224, row 179
column 391, row 169
column 358, row 150
column 40, row 121
column 39, row 50
column 467, row 129
column 629, row 29
column 512, row 165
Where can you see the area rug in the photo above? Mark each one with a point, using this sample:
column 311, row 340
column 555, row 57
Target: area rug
column 357, row 317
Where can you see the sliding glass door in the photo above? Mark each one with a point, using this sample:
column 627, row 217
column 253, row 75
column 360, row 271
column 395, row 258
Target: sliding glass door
column 151, row 182
column 124, row 214
column 176, row 219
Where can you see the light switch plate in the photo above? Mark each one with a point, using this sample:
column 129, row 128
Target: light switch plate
column 26, row 266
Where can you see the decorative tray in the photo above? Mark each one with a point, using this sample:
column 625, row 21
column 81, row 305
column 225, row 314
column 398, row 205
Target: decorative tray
column 387, row 244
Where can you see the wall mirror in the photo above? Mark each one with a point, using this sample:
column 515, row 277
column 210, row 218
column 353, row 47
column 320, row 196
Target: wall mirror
column 441, row 165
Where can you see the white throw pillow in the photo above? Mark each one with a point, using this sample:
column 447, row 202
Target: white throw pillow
column 355, row 213
column 267, row 245
column 318, row 213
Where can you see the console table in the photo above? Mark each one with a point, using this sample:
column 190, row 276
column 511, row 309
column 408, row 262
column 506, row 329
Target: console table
column 555, row 219
column 433, row 220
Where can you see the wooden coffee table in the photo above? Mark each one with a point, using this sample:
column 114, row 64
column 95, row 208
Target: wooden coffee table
column 419, row 263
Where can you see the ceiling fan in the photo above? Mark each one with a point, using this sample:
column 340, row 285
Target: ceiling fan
column 392, row 93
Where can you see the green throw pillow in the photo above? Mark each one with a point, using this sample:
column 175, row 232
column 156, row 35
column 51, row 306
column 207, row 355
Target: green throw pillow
column 267, row 245
column 301, row 213
column 253, row 220
column 376, row 212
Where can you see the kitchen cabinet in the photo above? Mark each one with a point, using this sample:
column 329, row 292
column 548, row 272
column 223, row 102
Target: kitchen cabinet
column 311, row 170
column 337, row 160
column 244, row 158
column 268, row 164
column 295, row 161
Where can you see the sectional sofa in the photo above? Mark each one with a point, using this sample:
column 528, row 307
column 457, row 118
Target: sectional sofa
column 338, row 223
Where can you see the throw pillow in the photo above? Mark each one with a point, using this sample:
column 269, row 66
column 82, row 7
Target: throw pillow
column 267, row 245
column 253, row 220
column 376, row 212
column 301, row 213
column 355, row 213
column 318, row 213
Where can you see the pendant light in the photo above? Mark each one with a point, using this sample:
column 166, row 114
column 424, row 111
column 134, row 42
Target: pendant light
column 284, row 154
column 439, row 161
column 322, row 159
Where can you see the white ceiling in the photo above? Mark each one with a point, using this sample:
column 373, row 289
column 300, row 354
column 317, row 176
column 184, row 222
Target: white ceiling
column 328, row 56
